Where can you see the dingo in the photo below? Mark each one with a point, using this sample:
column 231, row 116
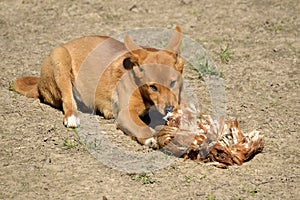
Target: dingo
column 129, row 80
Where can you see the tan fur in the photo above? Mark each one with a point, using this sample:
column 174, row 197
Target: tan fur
column 94, row 68
column 27, row 86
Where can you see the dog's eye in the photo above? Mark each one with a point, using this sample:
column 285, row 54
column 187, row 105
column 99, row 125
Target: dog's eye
column 172, row 84
column 153, row 87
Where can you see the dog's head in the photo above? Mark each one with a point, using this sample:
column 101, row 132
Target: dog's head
column 157, row 73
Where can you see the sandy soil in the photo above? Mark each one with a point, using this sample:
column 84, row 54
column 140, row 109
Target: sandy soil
column 41, row 159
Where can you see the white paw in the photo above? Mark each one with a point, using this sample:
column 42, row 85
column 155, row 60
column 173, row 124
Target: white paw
column 72, row 122
column 151, row 142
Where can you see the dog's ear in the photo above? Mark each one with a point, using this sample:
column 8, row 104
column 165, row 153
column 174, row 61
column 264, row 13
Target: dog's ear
column 137, row 52
column 174, row 44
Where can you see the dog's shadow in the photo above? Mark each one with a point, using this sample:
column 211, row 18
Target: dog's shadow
column 152, row 119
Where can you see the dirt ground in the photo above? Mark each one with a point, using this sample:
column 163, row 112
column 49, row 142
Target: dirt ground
column 41, row 159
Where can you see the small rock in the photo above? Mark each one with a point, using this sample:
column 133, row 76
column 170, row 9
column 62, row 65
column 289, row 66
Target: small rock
column 133, row 8
column 185, row 2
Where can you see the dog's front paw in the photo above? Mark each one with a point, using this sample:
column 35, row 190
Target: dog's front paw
column 72, row 121
column 165, row 135
column 151, row 142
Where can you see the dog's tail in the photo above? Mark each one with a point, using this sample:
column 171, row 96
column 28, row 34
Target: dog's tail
column 27, row 86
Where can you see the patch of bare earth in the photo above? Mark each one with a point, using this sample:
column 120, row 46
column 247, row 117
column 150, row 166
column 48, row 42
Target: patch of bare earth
column 41, row 159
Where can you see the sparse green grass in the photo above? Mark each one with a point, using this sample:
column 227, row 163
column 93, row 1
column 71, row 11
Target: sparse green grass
column 206, row 69
column 163, row 43
column 75, row 130
column 144, row 178
column 78, row 139
column 187, row 179
column 253, row 192
column 68, row 143
column 277, row 28
column 225, row 54
column 173, row 166
column 273, row 103
column 194, row 11
column 11, row 86
column 249, row 190
column 211, row 196
column 291, row 47
column 74, row 141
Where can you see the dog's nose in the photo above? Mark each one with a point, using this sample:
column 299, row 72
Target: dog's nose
column 168, row 109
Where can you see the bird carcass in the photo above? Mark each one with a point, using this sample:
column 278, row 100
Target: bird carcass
column 201, row 138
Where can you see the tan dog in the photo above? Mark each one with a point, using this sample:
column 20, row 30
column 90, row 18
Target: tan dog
column 121, row 80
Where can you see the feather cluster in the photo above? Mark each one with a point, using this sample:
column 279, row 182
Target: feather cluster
column 202, row 138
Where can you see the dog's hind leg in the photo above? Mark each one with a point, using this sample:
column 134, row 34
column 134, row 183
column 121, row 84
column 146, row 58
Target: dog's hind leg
column 64, row 79
column 56, row 84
